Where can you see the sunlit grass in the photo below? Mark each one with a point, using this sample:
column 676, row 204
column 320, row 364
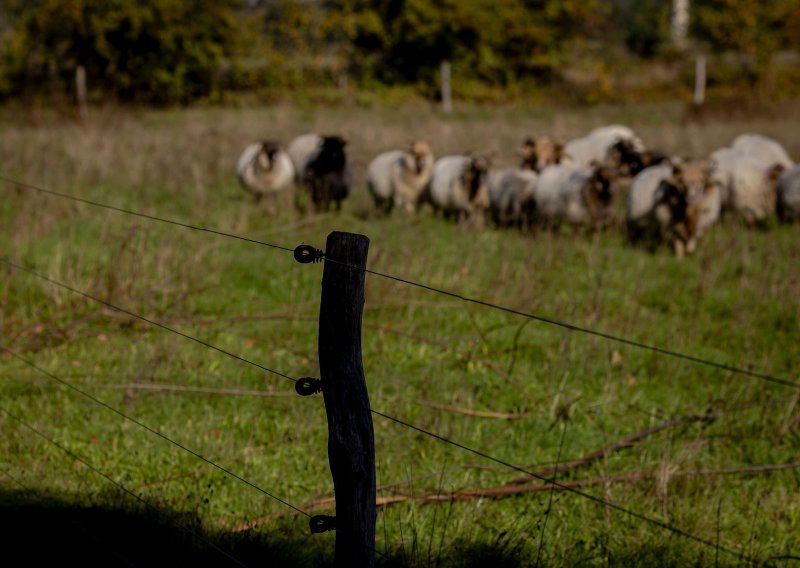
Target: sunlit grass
column 736, row 301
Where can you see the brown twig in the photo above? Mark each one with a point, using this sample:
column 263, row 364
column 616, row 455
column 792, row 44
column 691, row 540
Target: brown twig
column 625, row 442
column 516, row 489
column 460, row 410
column 202, row 390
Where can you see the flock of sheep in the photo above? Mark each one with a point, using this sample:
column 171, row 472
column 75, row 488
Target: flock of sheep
column 670, row 200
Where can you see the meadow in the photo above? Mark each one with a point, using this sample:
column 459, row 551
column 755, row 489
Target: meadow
column 523, row 391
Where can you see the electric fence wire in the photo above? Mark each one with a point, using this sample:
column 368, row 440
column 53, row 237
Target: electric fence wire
column 73, row 522
column 543, row 319
column 550, row 321
column 117, row 484
column 552, row 481
column 151, row 430
column 144, row 319
column 24, row 185
column 433, row 435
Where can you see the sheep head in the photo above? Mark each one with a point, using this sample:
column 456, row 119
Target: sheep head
column 331, row 156
column 420, row 153
column 599, row 189
column 692, row 178
column 266, row 155
column 539, row 152
column 475, row 180
column 686, row 194
column 774, row 173
column 626, row 159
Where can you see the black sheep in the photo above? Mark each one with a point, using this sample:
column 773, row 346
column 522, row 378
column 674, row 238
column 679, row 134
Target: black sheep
column 328, row 175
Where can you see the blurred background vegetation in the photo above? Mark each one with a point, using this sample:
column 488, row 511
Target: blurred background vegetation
column 167, row 52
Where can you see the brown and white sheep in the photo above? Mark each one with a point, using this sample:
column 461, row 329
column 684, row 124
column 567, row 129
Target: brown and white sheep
column 458, row 187
column 579, row 196
column 399, row 177
column 675, row 204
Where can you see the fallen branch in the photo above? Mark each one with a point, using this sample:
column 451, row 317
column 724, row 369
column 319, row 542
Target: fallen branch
column 625, row 442
column 460, row 410
column 534, row 486
column 329, row 503
column 203, row 390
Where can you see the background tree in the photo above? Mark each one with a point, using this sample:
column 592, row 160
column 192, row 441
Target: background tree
column 164, row 51
column 752, row 28
column 406, row 40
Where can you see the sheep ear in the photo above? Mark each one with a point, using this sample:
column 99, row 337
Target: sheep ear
column 775, row 172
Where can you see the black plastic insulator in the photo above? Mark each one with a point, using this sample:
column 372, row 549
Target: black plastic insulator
column 306, row 254
column 322, row 523
column 308, row 386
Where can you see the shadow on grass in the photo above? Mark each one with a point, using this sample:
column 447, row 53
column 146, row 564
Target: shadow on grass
column 47, row 530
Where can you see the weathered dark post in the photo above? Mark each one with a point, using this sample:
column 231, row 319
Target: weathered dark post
column 351, row 447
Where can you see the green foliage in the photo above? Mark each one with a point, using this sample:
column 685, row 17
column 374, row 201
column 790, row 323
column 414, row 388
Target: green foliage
column 754, row 29
column 177, row 51
column 165, row 51
column 643, row 25
column 406, row 40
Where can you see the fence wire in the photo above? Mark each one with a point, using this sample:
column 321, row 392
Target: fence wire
column 117, row 484
column 144, row 319
column 73, row 522
column 536, row 317
column 151, row 430
column 550, row 321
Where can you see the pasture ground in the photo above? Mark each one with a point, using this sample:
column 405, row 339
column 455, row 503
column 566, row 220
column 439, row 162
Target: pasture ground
column 429, row 359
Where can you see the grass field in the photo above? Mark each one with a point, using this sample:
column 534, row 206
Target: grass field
column 429, row 359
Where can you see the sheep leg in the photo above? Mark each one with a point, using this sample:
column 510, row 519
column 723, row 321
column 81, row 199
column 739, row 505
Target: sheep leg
column 679, row 248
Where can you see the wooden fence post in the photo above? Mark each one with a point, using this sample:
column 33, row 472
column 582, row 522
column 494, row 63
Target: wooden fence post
column 700, row 80
column 447, row 93
column 80, row 91
column 351, row 447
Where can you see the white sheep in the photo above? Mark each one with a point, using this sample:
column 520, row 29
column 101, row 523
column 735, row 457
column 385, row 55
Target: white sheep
column 458, row 187
column 399, row 177
column 762, row 148
column 580, row 196
column 723, row 166
column 512, row 199
column 788, row 207
column 302, row 150
column 753, row 189
column 595, row 146
column 264, row 169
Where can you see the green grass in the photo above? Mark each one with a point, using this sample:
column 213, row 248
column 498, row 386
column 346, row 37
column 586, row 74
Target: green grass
column 736, row 301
